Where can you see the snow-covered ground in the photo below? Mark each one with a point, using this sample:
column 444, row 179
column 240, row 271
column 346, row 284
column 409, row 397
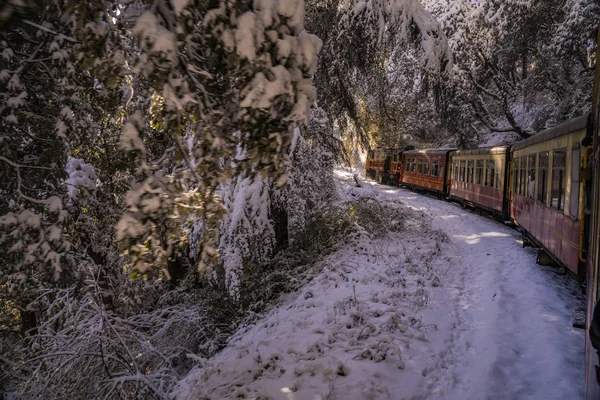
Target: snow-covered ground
column 450, row 307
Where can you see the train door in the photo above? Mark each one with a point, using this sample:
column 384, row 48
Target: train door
column 505, row 166
column 387, row 165
column 400, row 168
column 592, row 387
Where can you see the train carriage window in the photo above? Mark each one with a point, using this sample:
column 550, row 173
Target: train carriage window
column 516, row 175
column 531, row 166
column 479, row 172
column 489, row 173
column 523, row 177
column 557, row 192
column 454, row 170
column 413, row 166
column 426, row 167
column 435, row 167
column 470, row 166
column 542, row 176
column 463, row 163
column 499, row 168
column 575, row 162
column 419, row 165
column 407, row 166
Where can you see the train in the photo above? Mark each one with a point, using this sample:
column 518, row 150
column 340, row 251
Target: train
column 547, row 185
column 538, row 184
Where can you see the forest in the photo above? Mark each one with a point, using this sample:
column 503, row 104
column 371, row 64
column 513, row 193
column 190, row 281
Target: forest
column 167, row 166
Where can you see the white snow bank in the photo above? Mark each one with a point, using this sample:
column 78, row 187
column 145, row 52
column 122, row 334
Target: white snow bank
column 351, row 332
column 411, row 316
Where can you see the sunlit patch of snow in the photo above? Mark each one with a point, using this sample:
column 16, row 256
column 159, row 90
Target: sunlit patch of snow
column 549, row 317
column 448, row 216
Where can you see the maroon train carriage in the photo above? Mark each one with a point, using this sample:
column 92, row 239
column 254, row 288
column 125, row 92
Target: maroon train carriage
column 396, row 170
column 375, row 162
column 546, row 190
column 426, row 170
column 479, row 178
column 383, row 164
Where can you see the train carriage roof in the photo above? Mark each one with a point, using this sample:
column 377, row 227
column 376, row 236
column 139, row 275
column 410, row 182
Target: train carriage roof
column 428, row 152
column 481, row 151
column 387, row 150
column 572, row 125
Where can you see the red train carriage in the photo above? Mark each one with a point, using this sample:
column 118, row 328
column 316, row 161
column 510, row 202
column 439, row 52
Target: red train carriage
column 546, row 190
column 375, row 162
column 383, row 165
column 426, row 169
column 396, row 170
column 478, row 178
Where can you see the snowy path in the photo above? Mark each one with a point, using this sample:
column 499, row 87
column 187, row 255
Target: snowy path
column 453, row 308
column 513, row 338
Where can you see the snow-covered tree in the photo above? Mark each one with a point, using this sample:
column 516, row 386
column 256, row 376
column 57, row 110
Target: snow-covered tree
column 519, row 65
column 235, row 80
column 363, row 42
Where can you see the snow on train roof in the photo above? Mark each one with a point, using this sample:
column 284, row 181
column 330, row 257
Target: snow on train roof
column 481, row 150
column 432, row 152
column 566, row 127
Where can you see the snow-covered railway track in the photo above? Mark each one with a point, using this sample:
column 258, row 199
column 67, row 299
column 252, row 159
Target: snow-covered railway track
column 513, row 337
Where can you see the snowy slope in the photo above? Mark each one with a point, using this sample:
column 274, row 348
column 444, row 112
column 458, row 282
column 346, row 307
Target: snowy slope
column 456, row 312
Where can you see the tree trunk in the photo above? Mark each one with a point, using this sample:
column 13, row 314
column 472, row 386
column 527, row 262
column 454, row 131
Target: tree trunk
column 103, row 280
column 28, row 322
column 177, row 267
column 279, row 216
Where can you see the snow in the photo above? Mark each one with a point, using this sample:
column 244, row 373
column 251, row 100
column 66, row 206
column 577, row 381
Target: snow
column 285, row 46
column 128, row 226
column 156, row 38
column 246, row 232
column 309, row 46
column 54, row 204
column 452, row 307
column 130, row 138
column 244, row 36
column 29, row 219
column 263, row 92
column 179, row 5
column 17, row 101
column 81, row 174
